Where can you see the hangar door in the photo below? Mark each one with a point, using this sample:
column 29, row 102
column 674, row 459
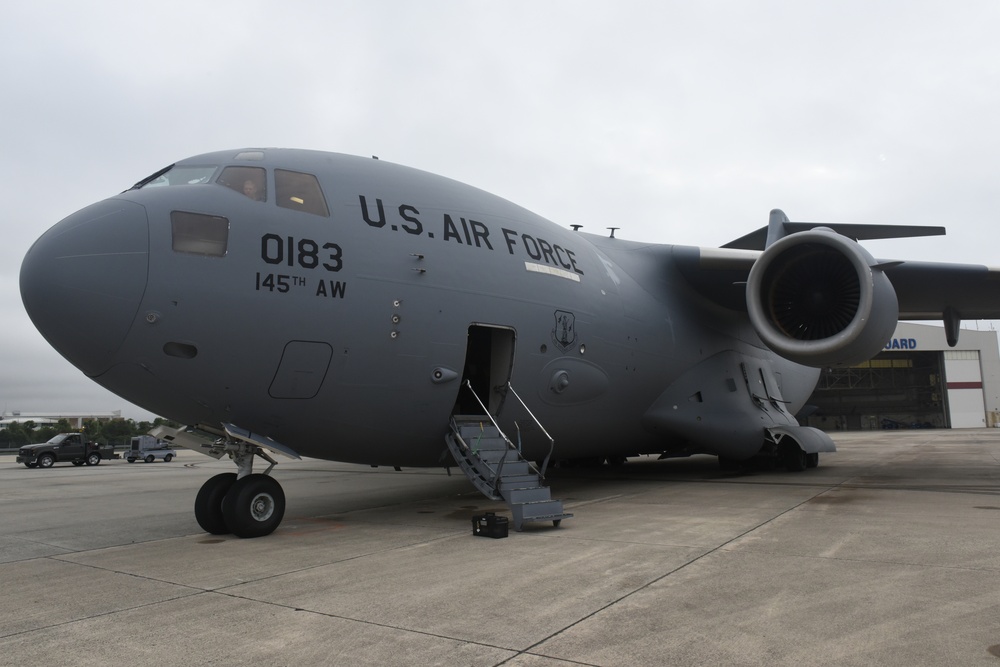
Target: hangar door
column 964, row 378
column 894, row 390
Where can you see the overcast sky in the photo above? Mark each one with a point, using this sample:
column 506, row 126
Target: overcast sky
column 679, row 122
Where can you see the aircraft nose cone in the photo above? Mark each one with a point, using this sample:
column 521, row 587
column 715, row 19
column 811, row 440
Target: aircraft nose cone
column 83, row 280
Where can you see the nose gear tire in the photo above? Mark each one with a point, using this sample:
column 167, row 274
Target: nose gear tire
column 208, row 503
column 254, row 506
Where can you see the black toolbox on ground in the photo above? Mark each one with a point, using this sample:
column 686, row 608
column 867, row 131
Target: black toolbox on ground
column 489, row 525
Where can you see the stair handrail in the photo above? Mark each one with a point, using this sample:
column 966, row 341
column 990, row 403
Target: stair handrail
column 487, row 412
column 552, row 441
column 510, row 445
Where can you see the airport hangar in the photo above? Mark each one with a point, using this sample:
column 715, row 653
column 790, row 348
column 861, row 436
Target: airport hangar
column 917, row 381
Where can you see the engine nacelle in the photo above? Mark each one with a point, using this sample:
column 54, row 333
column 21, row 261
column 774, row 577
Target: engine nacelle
column 819, row 299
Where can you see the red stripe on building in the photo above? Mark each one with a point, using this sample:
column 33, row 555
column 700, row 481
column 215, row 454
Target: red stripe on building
column 965, row 385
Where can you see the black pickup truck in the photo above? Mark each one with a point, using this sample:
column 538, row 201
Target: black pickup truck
column 70, row 447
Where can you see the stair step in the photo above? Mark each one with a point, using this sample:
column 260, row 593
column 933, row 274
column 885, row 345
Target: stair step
column 488, row 445
column 539, row 509
column 535, row 494
column 473, row 437
column 518, row 468
column 473, row 467
column 518, row 481
column 472, row 430
column 494, row 456
column 481, row 450
column 549, row 517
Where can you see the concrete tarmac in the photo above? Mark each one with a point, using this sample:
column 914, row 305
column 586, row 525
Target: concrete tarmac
column 887, row 554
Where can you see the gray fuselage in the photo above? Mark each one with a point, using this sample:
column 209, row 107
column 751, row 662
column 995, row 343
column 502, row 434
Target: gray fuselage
column 345, row 328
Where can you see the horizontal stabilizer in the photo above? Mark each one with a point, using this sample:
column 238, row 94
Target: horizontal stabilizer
column 780, row 226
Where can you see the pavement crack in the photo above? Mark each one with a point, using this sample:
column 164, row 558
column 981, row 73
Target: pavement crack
column 648, row 584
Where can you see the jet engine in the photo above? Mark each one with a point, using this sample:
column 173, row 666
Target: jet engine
column 819, row 299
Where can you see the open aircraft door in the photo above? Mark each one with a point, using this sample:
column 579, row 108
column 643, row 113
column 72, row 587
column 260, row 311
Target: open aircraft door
column 489, row 362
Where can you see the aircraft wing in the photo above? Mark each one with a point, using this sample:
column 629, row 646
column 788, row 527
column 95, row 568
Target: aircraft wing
column 924, row 290
column 929, row 290
column 717, row 274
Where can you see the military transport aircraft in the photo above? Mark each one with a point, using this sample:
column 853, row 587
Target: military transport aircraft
column 349, row 309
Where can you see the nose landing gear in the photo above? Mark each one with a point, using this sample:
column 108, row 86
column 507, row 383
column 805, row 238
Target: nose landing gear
column 254, row 506
column 242, row 503
column 208, row 503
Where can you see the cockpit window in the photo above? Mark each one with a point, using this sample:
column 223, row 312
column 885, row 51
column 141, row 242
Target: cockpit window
column 250, row 181
column 179, row 175
column 200, row 234
column 300, row 192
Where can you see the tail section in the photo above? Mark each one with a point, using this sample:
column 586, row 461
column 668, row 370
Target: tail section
column 779, row 226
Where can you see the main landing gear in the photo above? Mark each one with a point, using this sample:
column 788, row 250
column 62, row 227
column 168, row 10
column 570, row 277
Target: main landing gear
column 243, row 503
column 787, row 454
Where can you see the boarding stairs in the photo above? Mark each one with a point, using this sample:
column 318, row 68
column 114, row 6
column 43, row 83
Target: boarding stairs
column 499, row 471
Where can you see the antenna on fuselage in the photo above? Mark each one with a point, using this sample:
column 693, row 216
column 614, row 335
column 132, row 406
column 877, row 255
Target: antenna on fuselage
column 613, row 230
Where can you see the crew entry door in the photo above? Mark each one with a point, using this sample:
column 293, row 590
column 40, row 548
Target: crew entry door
column 489, row 362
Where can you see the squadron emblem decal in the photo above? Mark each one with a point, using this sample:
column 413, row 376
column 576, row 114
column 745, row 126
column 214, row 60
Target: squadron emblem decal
column 565, row 332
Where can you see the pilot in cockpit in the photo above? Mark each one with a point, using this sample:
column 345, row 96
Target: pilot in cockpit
column 251, row 190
